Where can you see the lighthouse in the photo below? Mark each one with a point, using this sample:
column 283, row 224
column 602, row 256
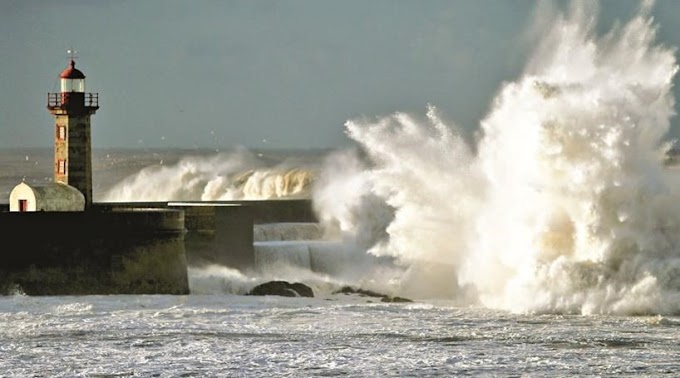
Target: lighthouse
column 90, row 249
column 72, row 108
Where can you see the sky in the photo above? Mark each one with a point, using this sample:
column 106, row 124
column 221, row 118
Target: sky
column 265, row 73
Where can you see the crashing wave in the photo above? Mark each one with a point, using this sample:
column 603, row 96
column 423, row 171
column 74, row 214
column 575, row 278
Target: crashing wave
column 563, row 204
column 220, row 177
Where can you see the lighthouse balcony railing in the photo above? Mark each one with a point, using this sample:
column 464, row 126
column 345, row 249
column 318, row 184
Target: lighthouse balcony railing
column 56, row 100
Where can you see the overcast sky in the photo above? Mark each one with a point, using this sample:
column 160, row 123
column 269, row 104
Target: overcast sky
column 264, row 73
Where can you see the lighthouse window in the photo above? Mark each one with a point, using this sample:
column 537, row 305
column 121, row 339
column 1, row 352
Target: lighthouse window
column 61, row 132
column 61, row 169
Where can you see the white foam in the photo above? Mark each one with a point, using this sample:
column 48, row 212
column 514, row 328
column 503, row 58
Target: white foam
column 563, row 203
column 238, row 175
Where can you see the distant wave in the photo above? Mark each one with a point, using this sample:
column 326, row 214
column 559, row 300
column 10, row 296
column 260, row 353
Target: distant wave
column 268, row 184
column 220, row 177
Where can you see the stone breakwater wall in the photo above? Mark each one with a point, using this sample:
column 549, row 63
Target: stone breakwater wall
column 123, row 251
column 221, row 232
column 132, row 248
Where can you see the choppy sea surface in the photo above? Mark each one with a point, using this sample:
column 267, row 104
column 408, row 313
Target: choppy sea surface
column 337, row 335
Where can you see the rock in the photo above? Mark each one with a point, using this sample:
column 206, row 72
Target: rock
column 303, row 290
column 369, row 293
column 283, row 288
column 395, row 300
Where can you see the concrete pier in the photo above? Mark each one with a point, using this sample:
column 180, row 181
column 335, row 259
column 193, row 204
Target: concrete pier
column 221, row 232
column 133, row 248
column 138, row 251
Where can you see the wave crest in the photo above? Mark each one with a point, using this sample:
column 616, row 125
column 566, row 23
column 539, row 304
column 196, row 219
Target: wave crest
column 220, row 177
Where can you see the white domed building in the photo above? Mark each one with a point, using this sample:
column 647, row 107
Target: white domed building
column 51, row 197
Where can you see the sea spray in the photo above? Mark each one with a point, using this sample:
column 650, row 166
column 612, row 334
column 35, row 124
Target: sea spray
column 563, row 203
column 566, row 205
column 344, row 204
column 421, row 170
column 217, row 279
column 573, row 158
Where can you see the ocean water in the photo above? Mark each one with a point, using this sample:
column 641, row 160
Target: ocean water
column 547, row 246
column 334, row 335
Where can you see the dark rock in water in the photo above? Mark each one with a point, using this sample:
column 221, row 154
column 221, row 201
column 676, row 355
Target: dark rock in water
column 362, row 292
column 369, row 293
column 395, row 300
column 303, row 290
column 283, row 288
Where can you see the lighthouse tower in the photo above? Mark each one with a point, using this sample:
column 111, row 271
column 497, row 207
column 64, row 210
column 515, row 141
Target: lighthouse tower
column 72, row 108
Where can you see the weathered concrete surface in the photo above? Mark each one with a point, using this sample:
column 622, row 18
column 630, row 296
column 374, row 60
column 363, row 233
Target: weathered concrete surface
column 132, row 248
column 221, row 232
column 262, row 211
column 286, row 231
column 76, row 253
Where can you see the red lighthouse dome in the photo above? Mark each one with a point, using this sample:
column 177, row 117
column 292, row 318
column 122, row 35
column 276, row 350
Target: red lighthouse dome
column 72, row 79
column 71, row 72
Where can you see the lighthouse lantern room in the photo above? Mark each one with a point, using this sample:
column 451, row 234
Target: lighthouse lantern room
column 72, row 108
column 72, row 79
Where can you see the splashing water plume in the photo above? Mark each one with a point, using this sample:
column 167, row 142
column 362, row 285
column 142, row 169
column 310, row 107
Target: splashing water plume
column 564, row 204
